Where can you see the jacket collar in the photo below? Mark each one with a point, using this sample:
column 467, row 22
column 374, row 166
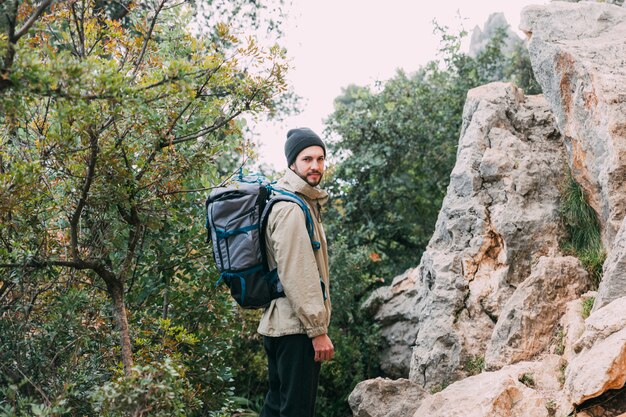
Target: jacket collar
column 292, row 182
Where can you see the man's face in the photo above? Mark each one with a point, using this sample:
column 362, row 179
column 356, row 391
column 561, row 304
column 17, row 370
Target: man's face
column 309, row 165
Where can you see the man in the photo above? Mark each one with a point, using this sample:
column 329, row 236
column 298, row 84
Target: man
column 295, row 327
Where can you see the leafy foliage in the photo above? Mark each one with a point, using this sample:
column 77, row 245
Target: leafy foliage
column 356, row 339
column 113, row 122
column 475, row 365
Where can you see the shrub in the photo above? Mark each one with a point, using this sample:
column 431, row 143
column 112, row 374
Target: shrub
column 475, row 364
column 528, row 380
column 159, row 389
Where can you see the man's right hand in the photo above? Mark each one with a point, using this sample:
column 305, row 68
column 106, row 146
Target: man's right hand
column 324, row 349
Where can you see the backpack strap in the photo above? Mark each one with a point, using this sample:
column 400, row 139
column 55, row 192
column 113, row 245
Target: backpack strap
column 282, row 195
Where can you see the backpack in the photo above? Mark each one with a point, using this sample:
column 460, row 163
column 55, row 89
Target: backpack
column 236, row 218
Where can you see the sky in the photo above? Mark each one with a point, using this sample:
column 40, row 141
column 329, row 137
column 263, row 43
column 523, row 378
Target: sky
column 334, row 43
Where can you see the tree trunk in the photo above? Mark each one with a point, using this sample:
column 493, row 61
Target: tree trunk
column 116, row 291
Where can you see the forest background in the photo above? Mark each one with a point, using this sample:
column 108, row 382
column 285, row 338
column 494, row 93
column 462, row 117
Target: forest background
column 116, row 118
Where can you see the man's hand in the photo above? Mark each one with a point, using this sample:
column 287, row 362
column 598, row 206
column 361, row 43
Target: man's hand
column 324, row 349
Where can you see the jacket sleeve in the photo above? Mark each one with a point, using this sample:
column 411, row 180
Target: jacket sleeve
column 297, row 267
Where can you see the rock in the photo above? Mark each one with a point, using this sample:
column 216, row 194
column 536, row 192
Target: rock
column 520, row 390
column 386, row 398
column 600, row 364
column 530, row 317
column 603, row 323
column 500, row 215
column 613, row 284
column 578, row 55
column 572, row 325
column 481, row 38
column 399, row 322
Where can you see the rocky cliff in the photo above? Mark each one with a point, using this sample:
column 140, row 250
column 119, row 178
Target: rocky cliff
column 490, row 323
column 481, row 37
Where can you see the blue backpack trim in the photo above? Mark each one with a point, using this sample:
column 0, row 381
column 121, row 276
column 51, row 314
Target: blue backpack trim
column 307, row 213
column 223, row 234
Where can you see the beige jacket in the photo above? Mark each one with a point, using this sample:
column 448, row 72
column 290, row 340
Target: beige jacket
column 305, row 309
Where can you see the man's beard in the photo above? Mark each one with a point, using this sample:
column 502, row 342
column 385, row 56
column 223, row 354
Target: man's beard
column 312, row 182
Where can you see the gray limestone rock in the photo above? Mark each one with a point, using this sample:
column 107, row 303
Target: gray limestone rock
column 391, row 306
column 382, row 397
column 613, row 285
column 482, row 37
column 500, row 215
column 530, row 317
column 578, row 54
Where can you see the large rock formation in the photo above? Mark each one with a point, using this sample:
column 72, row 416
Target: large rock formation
column 499, row 217
column 579, row 58
column 521, row 390
column 481, row 37
column 492, row 287
column 529, row 318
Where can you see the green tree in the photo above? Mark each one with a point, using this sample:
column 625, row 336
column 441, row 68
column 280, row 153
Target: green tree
column 110, row 126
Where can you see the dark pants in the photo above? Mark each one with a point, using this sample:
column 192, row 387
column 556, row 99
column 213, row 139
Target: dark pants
column 293, row 376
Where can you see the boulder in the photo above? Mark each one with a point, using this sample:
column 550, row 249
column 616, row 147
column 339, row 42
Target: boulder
column 572, row 326
column 600, row 363
column 390, row 306
column 578, row 55
column 520, row 390
column 613, row 284
column 530, row 317
column 382, row 397
column 610, row 404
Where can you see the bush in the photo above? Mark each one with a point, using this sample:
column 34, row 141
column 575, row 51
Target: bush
column 159, row 390
column 355, row 336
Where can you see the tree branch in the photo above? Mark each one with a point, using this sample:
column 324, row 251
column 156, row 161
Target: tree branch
column 148, row 37
column 31, row 20
column 4, row 289
column 74, row 220
column 219, row 123
column 43, row 394
column 135, row 234
column 173, row 124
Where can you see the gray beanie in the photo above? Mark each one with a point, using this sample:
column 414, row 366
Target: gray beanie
column 299, row 139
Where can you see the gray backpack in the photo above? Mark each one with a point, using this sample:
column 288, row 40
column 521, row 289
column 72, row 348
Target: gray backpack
column 236, row 219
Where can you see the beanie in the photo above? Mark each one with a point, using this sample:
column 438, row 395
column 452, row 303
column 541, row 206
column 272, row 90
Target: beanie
column 299, row 139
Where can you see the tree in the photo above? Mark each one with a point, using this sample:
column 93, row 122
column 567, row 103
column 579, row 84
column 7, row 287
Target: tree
column 104, row 126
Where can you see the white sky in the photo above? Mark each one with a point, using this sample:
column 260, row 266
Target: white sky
column 334, row 43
